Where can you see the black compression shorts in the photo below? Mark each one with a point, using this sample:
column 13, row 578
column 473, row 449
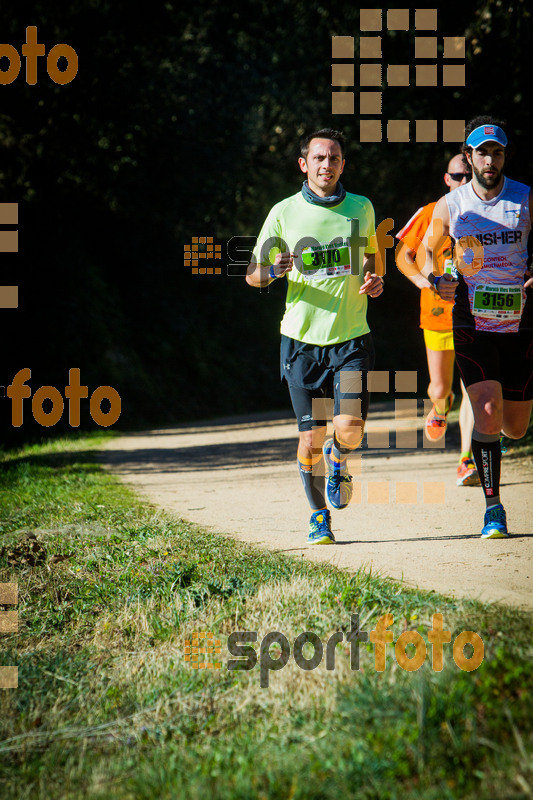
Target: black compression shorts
column 503, row 357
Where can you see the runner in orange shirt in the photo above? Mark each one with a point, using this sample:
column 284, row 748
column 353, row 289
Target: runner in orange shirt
column 436, row 322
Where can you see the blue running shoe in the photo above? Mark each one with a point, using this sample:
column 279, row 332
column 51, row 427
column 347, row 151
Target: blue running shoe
column 495, row 523
column 339, row 487
column 320, row 528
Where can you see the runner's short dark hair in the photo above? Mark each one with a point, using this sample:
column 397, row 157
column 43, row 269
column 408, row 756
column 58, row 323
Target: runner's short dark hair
column 486, row 119
column 323, row 133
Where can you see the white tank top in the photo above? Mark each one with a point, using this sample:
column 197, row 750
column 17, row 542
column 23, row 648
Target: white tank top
column 495, row 298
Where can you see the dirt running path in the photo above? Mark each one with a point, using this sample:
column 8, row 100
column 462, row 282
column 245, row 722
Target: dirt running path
column 238, row 476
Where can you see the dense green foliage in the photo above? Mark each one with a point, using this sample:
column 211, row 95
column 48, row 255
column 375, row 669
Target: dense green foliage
column 183, row 121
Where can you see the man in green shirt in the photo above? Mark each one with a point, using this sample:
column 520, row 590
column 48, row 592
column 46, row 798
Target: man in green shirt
column 323, row 240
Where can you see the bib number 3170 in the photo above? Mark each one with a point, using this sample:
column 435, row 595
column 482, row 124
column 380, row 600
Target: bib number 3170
column 326, row 261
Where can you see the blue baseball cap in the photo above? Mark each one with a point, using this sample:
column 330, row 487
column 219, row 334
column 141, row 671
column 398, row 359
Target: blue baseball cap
column 486, row 133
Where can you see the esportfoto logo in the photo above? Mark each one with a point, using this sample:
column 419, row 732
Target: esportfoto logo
column 240, row 645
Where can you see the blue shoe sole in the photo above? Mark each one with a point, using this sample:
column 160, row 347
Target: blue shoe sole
column 494, row 533
column 322, row 540
column 495, row 526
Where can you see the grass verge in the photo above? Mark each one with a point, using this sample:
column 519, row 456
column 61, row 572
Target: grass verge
column 107, row 706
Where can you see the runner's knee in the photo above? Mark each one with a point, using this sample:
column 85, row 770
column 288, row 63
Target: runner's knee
column 310, row 442
column 488, row 410
column 349, row 431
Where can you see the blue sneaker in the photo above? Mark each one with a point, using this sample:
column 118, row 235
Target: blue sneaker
column 320, row 528
column 339, row 487
column 495, row 523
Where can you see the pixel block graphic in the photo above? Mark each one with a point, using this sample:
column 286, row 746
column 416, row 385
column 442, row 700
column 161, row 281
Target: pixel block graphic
column 378, row 437
column 202, row 247
column 9, row 623
column 374, row 75
column 200, row 648
column 9, row 243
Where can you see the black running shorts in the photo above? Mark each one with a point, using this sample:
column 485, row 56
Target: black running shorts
column 335, row 372
column 503, row 357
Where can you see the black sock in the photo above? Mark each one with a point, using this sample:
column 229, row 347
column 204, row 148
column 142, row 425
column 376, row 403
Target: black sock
column 487, row 454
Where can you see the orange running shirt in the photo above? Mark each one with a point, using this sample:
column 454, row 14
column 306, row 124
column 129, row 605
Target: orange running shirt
column 435, row 313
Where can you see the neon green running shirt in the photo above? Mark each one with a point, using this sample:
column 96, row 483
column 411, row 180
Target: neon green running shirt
column 323, row 306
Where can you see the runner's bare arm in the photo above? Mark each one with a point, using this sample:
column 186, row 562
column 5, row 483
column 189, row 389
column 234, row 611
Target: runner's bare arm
column 439, row 228
column 408, row 265
column 373, row 283
column 258, row 275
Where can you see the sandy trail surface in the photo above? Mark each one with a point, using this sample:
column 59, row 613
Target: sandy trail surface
column 407, row 519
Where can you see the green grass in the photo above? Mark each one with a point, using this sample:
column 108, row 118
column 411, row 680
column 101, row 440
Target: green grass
column 107, row 706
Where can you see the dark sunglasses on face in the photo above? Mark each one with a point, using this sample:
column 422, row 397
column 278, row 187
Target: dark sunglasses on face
column 458, row 176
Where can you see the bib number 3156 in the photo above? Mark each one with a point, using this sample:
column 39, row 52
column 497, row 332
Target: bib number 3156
column 497, row 302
